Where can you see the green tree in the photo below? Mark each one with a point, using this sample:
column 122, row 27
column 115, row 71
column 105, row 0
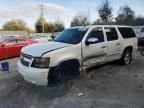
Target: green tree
column 58, row 26
column 139, row 21
column 125, row 16
column 80, row 20
column 39, row 25
column 49, row 27
column 97, row 22
column 105, row 12
column 16, row 25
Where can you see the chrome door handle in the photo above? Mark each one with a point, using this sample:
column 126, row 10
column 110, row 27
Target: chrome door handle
column 118, row 44
column 103, row 47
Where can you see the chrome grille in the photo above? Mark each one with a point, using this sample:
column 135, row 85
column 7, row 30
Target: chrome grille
column 26, row 56
column 23, row 61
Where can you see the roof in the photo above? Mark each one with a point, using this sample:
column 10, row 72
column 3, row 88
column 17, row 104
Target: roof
column 89, row 26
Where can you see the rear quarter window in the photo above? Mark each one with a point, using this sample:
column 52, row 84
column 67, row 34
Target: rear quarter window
column 127, row 32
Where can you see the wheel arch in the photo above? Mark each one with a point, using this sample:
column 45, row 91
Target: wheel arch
column 128, row 47
column 70, row 61
column 53, row 72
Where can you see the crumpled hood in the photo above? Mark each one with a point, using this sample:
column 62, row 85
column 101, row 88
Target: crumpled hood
column 37, row 50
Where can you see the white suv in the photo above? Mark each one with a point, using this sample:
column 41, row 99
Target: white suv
column 75, row 49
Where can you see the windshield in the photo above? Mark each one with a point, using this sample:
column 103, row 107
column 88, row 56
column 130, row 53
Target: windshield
column 3, row 39
column 72, row 36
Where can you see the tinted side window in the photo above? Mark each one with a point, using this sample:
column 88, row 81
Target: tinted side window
column 20, row 41
column 127, row 32
column 111, row 34
column 11, row 42
column 97, row 33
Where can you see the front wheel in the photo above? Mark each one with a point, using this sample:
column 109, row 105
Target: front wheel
column 126, row 58
column 57, row 76
column 62, row 73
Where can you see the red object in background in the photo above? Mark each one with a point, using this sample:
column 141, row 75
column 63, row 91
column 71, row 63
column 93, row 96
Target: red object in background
column 11, row 47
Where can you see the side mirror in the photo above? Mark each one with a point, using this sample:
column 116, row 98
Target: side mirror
column 52, row 37
column 2, row 45
column 92, row 41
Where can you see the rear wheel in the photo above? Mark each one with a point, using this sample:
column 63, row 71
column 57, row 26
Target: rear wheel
column 126, row 58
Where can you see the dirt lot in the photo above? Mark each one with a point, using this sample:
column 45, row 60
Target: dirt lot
column 111, row 86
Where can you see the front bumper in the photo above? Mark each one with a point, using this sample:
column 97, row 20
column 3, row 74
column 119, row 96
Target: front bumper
column 33, row 75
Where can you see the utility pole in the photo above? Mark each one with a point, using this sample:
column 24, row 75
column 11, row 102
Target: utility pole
column 42, row 17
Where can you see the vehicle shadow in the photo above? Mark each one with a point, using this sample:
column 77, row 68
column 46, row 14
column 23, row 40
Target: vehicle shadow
column 52, row 92
column 41, row 91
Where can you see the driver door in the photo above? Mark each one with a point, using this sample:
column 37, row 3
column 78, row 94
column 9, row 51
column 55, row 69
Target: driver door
column 94, row 53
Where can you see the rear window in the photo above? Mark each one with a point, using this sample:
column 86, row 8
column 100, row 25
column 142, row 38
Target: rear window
column 127, row 32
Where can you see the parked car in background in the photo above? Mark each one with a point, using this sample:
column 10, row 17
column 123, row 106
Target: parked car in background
column 11, row 46
column 141, row 40
column 141, row 32
column 41, row 38
column 76, row 49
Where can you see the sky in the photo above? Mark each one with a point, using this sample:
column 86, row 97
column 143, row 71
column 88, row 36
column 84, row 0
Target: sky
column 29, row 10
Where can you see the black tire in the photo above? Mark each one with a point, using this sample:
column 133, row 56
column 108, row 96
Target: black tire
column 63, row 73
column 126, row 58
column 57, row 76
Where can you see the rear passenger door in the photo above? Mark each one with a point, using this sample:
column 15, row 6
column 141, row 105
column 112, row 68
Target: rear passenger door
column 113, row 43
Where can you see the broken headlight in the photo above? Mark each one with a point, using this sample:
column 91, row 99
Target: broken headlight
column 41, row 62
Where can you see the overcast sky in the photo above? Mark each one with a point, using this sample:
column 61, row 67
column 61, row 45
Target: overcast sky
column 29, row 10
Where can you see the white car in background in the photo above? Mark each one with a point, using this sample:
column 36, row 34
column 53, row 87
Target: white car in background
column 41, row 38
column 141, row 40
column 141, row 34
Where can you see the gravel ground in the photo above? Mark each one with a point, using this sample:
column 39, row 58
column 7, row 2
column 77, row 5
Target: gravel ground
column 109, row 86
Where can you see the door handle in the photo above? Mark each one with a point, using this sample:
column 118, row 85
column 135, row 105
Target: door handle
column 118, row 44
column 103, row 47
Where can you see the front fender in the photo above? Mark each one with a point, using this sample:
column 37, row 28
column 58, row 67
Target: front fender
column 64, row 54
